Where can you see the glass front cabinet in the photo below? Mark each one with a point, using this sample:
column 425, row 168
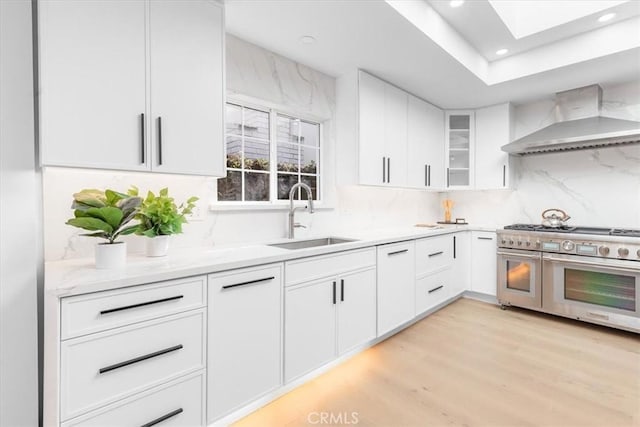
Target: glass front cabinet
column 460, row 137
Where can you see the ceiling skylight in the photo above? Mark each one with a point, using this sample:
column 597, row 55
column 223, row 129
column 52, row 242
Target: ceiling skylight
column 526, row 17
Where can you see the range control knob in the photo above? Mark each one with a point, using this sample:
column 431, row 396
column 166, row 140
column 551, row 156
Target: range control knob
column 529, row 244
column 623, row 252
column 604, row 250
column 538, row 244
column 519, row 242
column 511, row 242
column 638, row 253
column 568, row 245
column 504, row 241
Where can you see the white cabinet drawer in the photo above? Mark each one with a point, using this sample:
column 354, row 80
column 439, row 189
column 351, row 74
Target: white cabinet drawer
column 433, row 253
column 432, row 290
column 99, row 311
column 100, row 368
column 314, row 268
column 179, row 403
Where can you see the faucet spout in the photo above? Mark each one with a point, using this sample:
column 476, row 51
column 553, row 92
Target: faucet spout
column 292, row 209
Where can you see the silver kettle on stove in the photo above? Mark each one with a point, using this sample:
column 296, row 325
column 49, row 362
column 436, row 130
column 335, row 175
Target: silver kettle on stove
column 554, row 218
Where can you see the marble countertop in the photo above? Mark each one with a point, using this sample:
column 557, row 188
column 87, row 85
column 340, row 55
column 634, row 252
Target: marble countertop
column 79, row 276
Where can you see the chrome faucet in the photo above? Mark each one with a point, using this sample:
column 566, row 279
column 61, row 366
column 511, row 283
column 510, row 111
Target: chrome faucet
column 292, row 210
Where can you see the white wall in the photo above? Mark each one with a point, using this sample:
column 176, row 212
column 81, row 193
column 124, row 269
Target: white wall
column 599, row 187
column 18, row 220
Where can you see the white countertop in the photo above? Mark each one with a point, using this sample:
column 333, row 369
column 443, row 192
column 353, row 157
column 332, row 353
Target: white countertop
column 79, row 276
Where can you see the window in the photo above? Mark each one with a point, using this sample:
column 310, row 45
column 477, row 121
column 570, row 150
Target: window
column 267, row 153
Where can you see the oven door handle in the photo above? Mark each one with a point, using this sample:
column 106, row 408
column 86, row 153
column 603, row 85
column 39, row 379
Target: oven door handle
column 591, row 264
column 518, row 255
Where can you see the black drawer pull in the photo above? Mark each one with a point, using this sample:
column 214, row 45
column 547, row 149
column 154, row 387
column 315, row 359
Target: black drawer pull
column 159, row 141
column 334, row 293
column 454, row 247
column 436, row 288
column 143, row 159
column 250, row 282
column 398, row 252
column 435, row 254
column 485, row 238
column 139, row 359
column 341, row 289
column 142, row 304
column 163, row 418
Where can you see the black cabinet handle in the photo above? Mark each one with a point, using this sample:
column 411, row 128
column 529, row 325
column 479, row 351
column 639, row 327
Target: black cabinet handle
column 504, row 175
column 436, row 254
column 159, row 141
column 398, row 252
column 429, row 176
column 163, row 418
column 485, row 238
column 436, row 288
column 139, row 359
column 250, row 282
column 142, row 138
column 142, row 304
column 341, row 289
column 447, row 177
column 388, row 169
column 384, row 169
column 454, row 247
column 334, row 292
column 426, row 175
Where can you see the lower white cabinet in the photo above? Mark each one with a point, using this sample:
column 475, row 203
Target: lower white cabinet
column 396, row 285
column 244, row 337
column 432, row 290
column 327, row 317
column 179, row 403
column 461, row 268
column 484, row 262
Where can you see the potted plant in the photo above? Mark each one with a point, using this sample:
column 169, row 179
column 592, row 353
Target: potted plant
column 160, row 218
column 106, row 215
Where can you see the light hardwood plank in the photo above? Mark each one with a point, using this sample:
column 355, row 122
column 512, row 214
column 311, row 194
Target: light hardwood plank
column 472, row 364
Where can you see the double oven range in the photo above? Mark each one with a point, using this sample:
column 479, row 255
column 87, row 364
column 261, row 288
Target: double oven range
column 586, row 273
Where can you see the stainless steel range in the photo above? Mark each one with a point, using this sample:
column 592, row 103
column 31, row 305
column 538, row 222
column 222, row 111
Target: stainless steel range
column 586, row 273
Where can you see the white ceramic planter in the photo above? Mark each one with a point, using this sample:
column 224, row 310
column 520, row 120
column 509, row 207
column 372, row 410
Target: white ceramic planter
column 111, row 255
column 157, row 246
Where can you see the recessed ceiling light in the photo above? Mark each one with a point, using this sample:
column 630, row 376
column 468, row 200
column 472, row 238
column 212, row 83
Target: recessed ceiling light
column 501, row 51
column 307, row 40
column 456, row 3
column 606, row 17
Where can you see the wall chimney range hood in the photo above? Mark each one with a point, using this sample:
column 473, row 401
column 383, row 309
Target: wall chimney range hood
column 579, row 125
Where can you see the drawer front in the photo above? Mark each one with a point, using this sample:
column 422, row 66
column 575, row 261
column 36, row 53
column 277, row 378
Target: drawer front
column 99, row 311
column 434, row 253
column 101, row 368
column 179, row 403
column 245, row 311
column 432, row 290
column 314, row 268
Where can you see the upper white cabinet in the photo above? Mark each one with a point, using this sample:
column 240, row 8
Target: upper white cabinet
column 460, row 131
column 383, row 133
column 132, row 85
column 425, row 145
column 493, row 130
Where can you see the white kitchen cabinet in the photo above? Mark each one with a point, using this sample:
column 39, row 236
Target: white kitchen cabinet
column 356, row 309
column 396, row 285
column 460, row 140
column 484, row 262
column 434, row 261
column 132, row 85
column 395, row 135
column 493, row 130
column 245, row 357
column 425, row 145
column 461, row 268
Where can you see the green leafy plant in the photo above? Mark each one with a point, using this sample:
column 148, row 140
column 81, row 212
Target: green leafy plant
column 159, row 215
column 104, row 213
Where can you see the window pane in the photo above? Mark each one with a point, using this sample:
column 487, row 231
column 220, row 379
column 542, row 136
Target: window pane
column 312, row 182
column 288, row 129
column 233, row 119
column 230, row 188
column 285, row 182
column 256, row 155
column 256, row 187
column 234, row 152
column 256, row 124
column 310, row 134
column 308, row 160
column 288, row 158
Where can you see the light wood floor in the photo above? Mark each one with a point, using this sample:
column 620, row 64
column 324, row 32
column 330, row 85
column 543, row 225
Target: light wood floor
column 472, row 364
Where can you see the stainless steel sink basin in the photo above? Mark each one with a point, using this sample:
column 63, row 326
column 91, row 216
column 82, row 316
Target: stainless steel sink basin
column 302, row 244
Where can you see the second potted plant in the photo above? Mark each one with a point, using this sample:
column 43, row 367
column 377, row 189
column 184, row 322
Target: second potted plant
column 160, row 218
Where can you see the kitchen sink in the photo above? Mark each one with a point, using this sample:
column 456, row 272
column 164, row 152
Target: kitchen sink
column 302, row 244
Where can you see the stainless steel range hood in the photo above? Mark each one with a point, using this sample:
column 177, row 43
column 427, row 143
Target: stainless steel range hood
column 578, row 125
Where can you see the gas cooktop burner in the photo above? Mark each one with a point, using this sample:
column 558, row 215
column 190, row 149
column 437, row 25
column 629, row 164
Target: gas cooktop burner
column 576, row 230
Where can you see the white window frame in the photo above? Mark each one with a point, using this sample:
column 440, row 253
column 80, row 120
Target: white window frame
column 273, row 111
